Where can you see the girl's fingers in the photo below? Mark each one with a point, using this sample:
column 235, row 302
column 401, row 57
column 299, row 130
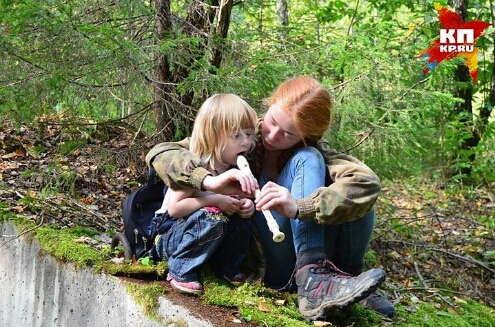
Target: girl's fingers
column 247, row 181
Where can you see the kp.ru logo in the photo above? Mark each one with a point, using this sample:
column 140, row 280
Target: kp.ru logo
column 457, row 38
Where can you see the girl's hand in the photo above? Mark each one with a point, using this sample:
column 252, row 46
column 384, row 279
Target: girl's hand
column 231, row 182
column 278, row 198
column 229, row 205
column 246, row 209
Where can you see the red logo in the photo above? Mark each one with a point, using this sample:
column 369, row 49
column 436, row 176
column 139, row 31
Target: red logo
column 457, row 38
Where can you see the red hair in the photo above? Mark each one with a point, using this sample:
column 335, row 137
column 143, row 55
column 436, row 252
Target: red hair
column 308, row 103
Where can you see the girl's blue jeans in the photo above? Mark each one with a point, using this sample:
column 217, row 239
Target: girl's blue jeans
column 345, row 244
column 205, row 237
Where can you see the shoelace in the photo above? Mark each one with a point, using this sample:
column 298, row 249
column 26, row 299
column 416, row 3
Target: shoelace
column 327, row 267
column 324, row 267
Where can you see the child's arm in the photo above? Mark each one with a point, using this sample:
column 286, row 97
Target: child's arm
column 182, row 204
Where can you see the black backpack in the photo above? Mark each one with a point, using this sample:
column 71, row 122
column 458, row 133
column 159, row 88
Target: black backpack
column 141, row 224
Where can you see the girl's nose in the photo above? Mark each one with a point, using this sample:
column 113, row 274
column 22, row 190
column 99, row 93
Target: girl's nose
column 272, row 134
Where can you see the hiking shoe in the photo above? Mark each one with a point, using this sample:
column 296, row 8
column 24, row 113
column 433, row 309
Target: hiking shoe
column 378, row 303
column 322, row 288
column 237, row 279
column 194, row 288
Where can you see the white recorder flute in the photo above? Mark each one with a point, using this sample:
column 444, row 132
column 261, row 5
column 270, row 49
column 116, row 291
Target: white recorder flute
column 278, row 236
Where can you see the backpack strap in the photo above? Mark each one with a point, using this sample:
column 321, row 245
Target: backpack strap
column 151, row 176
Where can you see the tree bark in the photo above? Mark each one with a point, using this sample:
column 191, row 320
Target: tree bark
column 163, row 86
column 221, row 31
column 172, row 108
column 283, row 17
column 485, row 111
column 464, row 110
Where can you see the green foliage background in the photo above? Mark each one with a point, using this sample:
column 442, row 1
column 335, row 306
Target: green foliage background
column 95, row 60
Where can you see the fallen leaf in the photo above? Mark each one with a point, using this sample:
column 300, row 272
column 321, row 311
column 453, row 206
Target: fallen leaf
column 9, row 155
column 263, row 308
column 459, row 300
column 117, row 261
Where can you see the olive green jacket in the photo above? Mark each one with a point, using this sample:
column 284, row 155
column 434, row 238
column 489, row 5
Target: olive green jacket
column 351, row 191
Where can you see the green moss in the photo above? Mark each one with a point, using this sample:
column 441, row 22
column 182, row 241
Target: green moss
column 147, row 297
column 489, row 255
column 135, row 270
column 4, row 213
column 273, row 308
column 132, row 184
column 67, row 245
column 468, row 314
column 109, row 169
column 371, row 259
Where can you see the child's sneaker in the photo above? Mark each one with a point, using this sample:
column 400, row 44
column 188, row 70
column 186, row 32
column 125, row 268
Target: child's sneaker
column 237, row 279
column 194, row 288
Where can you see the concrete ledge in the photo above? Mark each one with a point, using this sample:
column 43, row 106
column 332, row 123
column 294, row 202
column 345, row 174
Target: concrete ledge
column 36, row 290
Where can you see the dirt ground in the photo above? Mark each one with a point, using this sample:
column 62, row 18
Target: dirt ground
column 216, row 315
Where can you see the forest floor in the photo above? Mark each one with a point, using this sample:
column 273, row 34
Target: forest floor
column 436, row 242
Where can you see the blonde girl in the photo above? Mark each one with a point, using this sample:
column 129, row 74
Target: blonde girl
column 213, row 228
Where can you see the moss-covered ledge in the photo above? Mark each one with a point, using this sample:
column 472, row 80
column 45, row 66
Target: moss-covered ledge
column 82, row 249
column 51, row 277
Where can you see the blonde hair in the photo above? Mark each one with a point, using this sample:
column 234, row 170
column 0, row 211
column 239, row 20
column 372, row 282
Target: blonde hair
column 220, row 116
column 308, row 103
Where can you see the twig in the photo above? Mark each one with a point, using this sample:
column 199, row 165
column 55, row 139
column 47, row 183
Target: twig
column 445, row 244
column 412, row 87
column 100, row 217
column 361, row 141
column 433, row 290
column 420, row 276
column 466, row 259
column 353, row 18
column 348, row 81
column 14, row 237
column 139, row 129
column 484, row 297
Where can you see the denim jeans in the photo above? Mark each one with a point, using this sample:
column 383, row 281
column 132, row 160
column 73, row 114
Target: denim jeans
column 346, row 243
column 204, row 237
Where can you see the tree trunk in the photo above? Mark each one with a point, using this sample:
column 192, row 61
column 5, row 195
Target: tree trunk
column 172, row 108
column 464, row 91
column 163, row 87
column 221, row 30
column 283, row 18
column 485, row 110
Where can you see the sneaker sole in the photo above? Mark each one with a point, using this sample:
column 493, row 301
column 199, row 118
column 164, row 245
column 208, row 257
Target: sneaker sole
column 375, row 276
column 184, row 290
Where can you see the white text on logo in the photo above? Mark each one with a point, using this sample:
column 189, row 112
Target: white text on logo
column 456, row 40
